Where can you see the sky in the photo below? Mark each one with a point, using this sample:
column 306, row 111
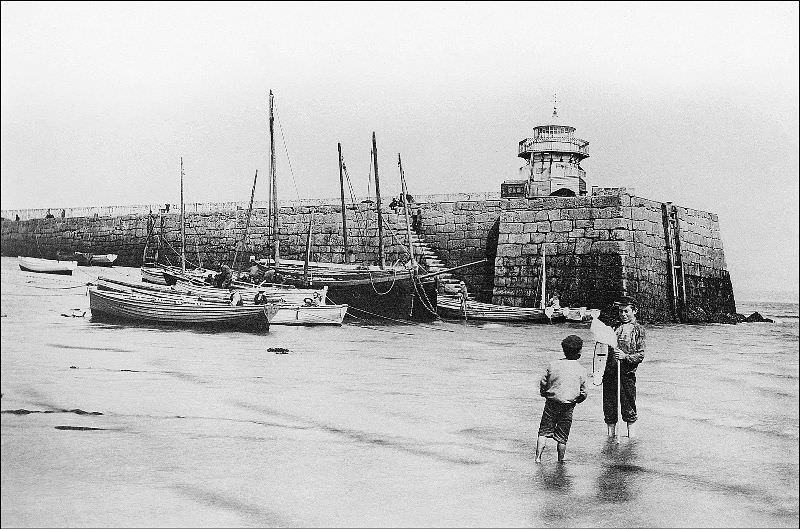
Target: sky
column 693, row 103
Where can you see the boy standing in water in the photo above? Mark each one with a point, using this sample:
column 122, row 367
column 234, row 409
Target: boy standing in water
column 629, row 354
column 564, row 386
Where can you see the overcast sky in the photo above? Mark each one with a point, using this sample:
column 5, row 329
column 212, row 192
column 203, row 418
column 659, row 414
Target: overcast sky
column 694, row 103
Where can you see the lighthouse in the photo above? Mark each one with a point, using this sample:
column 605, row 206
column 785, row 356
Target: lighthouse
column 553, row 157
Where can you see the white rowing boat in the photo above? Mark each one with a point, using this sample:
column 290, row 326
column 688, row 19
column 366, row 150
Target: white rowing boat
column 46, row 266
column 309, row 314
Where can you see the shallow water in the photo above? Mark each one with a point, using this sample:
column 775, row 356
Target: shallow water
column 368, row 425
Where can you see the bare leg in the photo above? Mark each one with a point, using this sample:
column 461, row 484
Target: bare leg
column 539, row 448
column 631, row 429
column 612, row 429
column 561, row 448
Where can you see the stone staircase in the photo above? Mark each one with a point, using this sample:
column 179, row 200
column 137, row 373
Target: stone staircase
column 427, row 257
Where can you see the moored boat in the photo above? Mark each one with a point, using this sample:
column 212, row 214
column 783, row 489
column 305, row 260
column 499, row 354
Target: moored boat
column 118, row 306
column 290, row 311
column 390, row 292
column 153, row 274
column 450, row 307
column 106, row 259
column 309, row 314
column 46, row 266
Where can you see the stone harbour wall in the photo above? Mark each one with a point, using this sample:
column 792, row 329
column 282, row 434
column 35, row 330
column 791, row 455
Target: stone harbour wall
column 602, row 247
column 596, row 247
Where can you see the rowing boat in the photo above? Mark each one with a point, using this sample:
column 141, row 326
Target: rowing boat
column 119, row 306
column 450, row 307
column 291, row 310
column 46, row 266
column 309, row 314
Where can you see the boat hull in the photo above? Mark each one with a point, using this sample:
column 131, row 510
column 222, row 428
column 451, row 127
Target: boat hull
column 401, row 300
column 450, row 307
column 155, row 275
column 103, row 260
column 312, row 315
column 116, row 307
column 46, row 266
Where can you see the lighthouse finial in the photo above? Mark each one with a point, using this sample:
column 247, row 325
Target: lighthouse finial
column 555, row 111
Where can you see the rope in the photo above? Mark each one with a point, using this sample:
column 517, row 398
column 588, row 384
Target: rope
column 361, row 221
column 403, row 322
column 372, row 282
column 423, row 296
column 377, row 328
column 40, row 295
column 58, row 288
column 286, row 150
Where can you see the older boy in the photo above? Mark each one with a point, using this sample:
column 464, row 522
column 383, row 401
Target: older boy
column 564, row 386
column 629, row 354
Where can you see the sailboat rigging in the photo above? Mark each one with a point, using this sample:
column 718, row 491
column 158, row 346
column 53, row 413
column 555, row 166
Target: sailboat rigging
column 393, row 292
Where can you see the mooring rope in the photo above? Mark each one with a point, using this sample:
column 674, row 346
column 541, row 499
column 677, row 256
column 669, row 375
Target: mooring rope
column 375, row 315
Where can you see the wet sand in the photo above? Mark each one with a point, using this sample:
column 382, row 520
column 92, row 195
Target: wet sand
column 357, row 426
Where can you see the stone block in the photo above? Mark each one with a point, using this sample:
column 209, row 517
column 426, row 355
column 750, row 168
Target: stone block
column 583, row 246
column 519, row 238
column 512, row 227
column 611, row 223
column 509, row 250
column 561, row 225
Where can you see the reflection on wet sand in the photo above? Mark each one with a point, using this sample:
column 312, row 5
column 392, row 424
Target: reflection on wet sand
column 617, row 482
column 556, row 478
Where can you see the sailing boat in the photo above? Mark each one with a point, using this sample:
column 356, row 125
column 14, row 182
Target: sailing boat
column 376, row 291
column 154, row 272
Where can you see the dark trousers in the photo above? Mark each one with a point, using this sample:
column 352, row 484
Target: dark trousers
column 627, row 396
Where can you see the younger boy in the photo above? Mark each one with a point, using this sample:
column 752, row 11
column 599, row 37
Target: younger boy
column 564, row 386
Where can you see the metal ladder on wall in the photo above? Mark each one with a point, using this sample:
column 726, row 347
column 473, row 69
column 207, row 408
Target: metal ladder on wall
column 675, row 272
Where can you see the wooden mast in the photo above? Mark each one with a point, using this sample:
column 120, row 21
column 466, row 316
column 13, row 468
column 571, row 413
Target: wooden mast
column 404, row 191
column 308, row 248
column 544, row 279
column 247, row 223
column 344, row 207
column 381, row 257
column 183, row 226
column 272, row 178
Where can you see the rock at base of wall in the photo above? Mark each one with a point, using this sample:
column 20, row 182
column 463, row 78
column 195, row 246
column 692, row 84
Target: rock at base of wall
column 756, row 317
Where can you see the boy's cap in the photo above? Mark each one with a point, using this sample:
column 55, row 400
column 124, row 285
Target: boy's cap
column 572, row 343
column 625, row 300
